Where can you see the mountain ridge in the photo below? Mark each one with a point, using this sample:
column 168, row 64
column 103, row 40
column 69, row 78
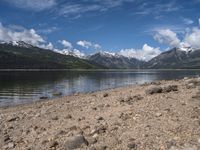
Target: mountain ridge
column 32, row 57
column 21, row 55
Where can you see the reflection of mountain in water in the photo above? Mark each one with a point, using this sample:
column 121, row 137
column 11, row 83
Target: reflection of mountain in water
column 25, row 87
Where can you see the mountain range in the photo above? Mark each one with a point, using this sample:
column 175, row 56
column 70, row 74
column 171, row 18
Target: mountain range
column 21, row 55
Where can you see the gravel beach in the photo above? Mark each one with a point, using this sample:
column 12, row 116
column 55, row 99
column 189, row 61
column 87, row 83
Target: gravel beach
column 163, row 115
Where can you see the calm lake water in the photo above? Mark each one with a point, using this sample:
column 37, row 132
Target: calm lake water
column 19, row 87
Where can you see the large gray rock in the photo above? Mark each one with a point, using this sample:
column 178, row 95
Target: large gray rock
column 75, row 142
column 154, row 89
column 170, row 88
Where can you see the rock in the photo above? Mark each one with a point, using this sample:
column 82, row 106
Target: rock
column 99, row 118
column 158, row 114
column 53, row 144
column 13, row 118
column 98, row 130
column 91, row 140
column 101, row 147
column 132, row 146
column 61, row 132
column 105, row 95
column 186, row 146
column 11, row 145
column 75, row 142
column 43, row 97
column 138, row 97
column 6, row 138
column 195, row 81
column 107, row 105
column 170, row 88
column 153, row 89
column 68, row 116
column 190, row 86
column 92, row 148
column 76, row 94
column 55, row 118
column 57, row 94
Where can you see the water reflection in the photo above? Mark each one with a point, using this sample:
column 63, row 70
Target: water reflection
column 25, row 87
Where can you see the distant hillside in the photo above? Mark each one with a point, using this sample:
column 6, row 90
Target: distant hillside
column 26, row 56
column 20, row 55
column 115, row 61
column 175, row 59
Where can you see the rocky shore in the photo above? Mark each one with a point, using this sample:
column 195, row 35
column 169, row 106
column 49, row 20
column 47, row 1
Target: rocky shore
column 163, row 115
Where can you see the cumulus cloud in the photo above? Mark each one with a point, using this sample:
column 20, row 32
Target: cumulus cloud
column 28, row 36
column 66, row 43
column 85, row 44
column 47, row 46
column 167, row 36
column 88, row 44
column 146, row 53
column 192, row 38
column 35, row 5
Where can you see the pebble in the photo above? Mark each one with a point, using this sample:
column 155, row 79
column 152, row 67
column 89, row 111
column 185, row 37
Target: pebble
column 53, row 144
column 132, row 146
column 91, row 140
column 158, row 114
column 99, row 118
column 13, row 118
column 105, row 95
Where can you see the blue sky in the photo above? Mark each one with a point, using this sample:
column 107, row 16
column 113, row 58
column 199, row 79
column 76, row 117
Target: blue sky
column 112, row 25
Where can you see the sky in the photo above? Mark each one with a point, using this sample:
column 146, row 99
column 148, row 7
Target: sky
column 136, row 28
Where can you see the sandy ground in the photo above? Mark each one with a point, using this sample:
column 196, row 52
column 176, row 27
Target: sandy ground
column 158, row 116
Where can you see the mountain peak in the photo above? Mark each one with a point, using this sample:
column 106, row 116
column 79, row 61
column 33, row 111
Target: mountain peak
column 20, row 44
column 186, row 49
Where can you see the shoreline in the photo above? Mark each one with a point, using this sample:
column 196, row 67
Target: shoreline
column 160, row 115
column 118, row 69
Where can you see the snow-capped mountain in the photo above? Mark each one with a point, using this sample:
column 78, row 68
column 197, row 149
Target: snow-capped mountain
column 20, row 55
column 19, row 44
column 73, row 52
column 114, row 60
column 186, row 49
column 175, row 58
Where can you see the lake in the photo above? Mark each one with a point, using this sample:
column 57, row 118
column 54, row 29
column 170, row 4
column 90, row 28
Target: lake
column 20, row 87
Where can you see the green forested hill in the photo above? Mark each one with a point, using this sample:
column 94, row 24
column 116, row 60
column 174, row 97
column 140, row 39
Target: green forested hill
column 14, row 57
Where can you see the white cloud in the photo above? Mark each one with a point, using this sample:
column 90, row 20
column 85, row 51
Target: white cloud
column 77, row 9
column 167, row 36
column 146, row 53
column 199, row 21
column 192, row 38
column 47, row 46
column 88, row 44
column 66, row 44
column 85, row 44
column 153, row 8
column 187, row 21
column 97, row 46
column 29, row 36
column 35, row 5
column 47, row 30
